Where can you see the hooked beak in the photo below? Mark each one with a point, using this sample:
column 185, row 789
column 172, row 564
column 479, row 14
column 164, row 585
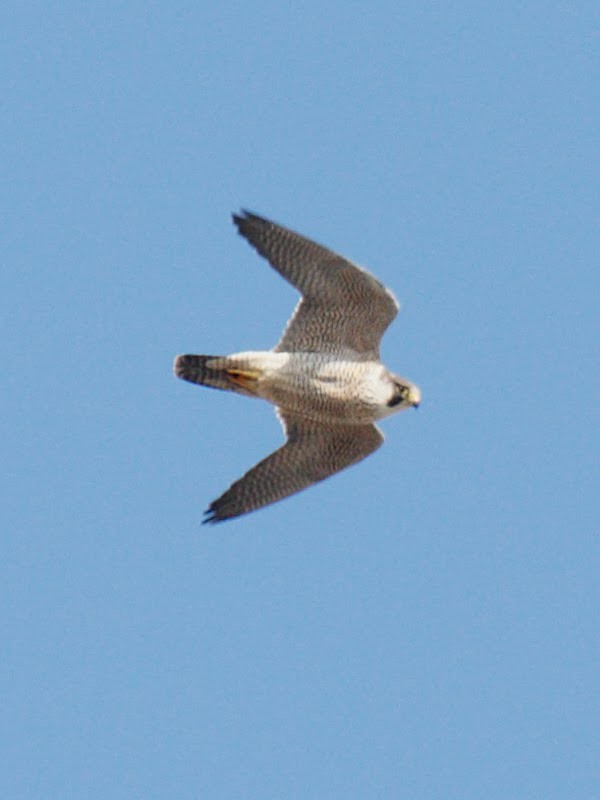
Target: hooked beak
column 414, row 396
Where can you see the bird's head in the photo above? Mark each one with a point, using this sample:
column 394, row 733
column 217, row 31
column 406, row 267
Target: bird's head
column 403, row 394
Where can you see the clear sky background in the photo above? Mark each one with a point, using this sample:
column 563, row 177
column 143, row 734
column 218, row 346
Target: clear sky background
column 424, row 625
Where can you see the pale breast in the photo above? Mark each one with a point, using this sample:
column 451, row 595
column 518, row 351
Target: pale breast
column 327, row 388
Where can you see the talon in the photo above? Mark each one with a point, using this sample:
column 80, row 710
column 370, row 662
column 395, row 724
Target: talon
column 245, row 378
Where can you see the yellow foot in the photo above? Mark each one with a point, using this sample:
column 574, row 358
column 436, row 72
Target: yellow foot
column 245, row 378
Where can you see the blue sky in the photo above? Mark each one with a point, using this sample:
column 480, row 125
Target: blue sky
column 424, row 625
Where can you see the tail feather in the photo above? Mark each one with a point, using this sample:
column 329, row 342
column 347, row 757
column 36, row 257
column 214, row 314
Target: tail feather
column 205, row 370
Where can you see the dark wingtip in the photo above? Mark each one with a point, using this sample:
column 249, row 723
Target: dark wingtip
column 212, row 517
column 209, row 516
column 217, row 513
column 240, row 221
column 245, row 217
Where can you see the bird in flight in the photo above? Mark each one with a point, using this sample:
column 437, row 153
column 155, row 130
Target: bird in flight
column 324, row 377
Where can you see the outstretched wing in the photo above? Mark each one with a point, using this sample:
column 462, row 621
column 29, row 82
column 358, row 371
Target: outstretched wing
column 312, row 452
column 342, row 307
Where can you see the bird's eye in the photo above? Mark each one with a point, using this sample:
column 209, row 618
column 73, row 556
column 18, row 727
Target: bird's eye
column 400, row 395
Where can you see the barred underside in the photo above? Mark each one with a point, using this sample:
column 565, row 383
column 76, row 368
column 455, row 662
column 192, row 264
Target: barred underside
column 311, row 454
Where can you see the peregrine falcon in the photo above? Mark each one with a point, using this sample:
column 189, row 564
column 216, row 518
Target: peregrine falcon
column 324, row 377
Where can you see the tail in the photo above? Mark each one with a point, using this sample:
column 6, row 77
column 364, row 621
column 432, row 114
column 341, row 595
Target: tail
column 218, row 372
